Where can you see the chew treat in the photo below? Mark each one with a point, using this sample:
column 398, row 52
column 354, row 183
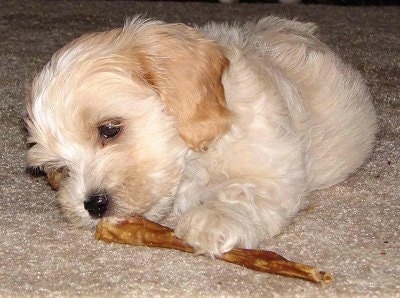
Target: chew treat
column 55, row 177
column 138, row 231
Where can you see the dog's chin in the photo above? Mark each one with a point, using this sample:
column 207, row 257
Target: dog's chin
column 83, row 219
column 80, row 219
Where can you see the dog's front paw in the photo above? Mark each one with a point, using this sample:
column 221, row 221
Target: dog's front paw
column 214, row 232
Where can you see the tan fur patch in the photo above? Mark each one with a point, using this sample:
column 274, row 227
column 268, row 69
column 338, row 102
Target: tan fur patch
column 185, row 70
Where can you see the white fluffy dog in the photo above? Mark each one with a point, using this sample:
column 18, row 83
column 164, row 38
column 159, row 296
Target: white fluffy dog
column 228, row 127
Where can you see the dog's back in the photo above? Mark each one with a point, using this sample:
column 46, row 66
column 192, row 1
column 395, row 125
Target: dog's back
column 342, row 120
column 327, row 100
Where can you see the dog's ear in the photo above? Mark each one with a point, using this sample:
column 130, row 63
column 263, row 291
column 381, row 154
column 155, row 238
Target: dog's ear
column 186, row 69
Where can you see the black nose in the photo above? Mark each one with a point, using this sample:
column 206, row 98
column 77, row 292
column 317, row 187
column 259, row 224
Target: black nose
column 96, row 204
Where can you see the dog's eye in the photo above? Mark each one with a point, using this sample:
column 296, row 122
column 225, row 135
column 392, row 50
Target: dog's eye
column 110, row 129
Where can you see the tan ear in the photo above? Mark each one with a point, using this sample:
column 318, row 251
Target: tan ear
column 186, row 69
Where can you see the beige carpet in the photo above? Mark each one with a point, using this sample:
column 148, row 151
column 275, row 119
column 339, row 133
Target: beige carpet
column 350, row 230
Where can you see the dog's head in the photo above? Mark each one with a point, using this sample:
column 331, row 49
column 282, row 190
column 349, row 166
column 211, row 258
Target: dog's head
column 115, row 112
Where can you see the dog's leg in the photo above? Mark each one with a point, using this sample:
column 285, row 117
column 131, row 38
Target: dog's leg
column 239, row 215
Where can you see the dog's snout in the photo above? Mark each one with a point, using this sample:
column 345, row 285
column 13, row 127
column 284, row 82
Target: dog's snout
column 96, row 204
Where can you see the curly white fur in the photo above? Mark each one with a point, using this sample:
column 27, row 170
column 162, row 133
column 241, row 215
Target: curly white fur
column 298, row 120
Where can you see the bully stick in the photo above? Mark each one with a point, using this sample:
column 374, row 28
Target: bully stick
column 142, row 232
column 55, row 177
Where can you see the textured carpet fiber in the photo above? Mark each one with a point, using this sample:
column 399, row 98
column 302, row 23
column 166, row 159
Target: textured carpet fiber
column 350, row 230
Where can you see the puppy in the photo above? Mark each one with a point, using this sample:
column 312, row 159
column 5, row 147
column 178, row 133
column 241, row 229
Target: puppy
column 227, row 127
